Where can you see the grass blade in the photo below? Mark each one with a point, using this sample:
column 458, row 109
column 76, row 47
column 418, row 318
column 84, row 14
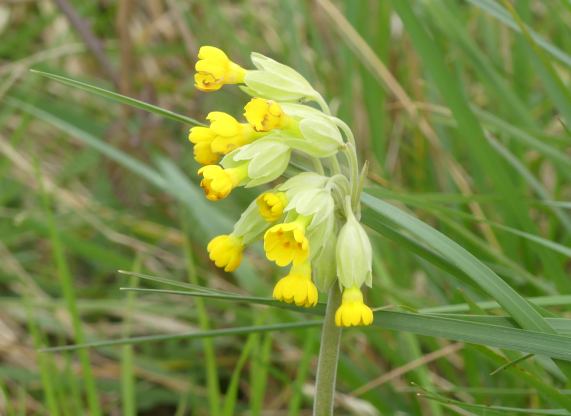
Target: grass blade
column 319, row 309
column 491, row 283
column 557, row 300
column 207, row 344
column 187, row 335
column 554, row 85
column 68, row 290
column 466, row 330
column 493, row 8
column 119, row 98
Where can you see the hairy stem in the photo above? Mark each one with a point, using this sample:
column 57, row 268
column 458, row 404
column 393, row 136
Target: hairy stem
column 328, row 357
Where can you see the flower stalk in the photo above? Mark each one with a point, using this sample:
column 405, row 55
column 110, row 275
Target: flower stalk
column 328, row 357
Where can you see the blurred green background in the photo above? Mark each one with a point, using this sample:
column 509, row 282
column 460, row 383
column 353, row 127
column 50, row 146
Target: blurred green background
column 463, row 117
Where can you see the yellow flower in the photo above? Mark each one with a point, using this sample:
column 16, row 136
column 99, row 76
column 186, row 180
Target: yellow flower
column 265, row 115
column 226, row 251
column 202, row 138
column 224, row 135
column 214, row 69
column 218, row 182
column 353, row 312
column 286, row 243
column 228, row 133
column 271, row 205
column 297, row 287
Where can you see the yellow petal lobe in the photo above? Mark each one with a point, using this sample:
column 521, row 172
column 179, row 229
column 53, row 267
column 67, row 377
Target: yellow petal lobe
column 353, row 312
column 226, row 251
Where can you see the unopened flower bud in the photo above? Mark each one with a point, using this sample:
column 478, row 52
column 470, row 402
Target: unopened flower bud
column 226, row 251
column 267, row 160
column 276, row 81
column 251, row 224
column 354, row 254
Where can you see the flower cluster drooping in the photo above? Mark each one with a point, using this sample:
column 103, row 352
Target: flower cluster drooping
column 310, row 221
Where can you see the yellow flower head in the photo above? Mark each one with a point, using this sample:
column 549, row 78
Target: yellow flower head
column 286, row 243
column 226, row 251
column 202, row 138
column 264, row 115
column 228, row 134
column 218, row 182
column 353, row 312
column 214, row 69
column 271, row 205
column 297, row 287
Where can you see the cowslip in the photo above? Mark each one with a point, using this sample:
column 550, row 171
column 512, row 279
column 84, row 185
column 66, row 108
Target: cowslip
column 309, row 222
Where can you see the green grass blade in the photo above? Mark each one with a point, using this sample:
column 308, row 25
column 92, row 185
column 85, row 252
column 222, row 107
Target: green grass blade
column 169, row 179
column 487, row 409
column 302, row 373
column 492, row 409
column 211, row 219
column 187, row 335
column 469, row 330
column 44, row 363
column 59, row 121
column 450, row 25
column 554, row 85
column 66, row 282
column 540, row 343
column 119, row 98
column 491, row 283
column 445, row 214
column 487, row 166
column 556, row 300
column 232, row 391
column 128, row 395
column 204, row 322
column 174, row 283
column 259, row 371
column 534, row 183
column 496, row 124
column 254, row 300
column 493, row 8
column 561, row 325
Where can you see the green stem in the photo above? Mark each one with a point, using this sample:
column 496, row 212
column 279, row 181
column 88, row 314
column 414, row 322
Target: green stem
column 334, row 164
column 322, row 103
column 351, row 153
column 317, row 166
column 328, row 357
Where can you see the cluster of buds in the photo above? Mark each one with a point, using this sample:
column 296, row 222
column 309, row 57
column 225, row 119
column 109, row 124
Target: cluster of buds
column 310, row 221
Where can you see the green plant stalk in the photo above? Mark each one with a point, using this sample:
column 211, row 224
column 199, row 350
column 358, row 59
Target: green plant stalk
column 232, row 391
column 65, row 278
column 259, row 374
column 302, row 372
column 128, row 394
column 328, row 357
column 43, row 360
column 212, row 382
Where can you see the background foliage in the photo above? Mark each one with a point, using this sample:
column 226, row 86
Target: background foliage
column 462, row 108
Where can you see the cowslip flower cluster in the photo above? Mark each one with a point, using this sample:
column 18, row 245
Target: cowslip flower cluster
column 308, row 223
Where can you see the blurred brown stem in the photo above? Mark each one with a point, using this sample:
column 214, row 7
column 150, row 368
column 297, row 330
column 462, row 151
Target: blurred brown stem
column 89, row 38
column 124, row 11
